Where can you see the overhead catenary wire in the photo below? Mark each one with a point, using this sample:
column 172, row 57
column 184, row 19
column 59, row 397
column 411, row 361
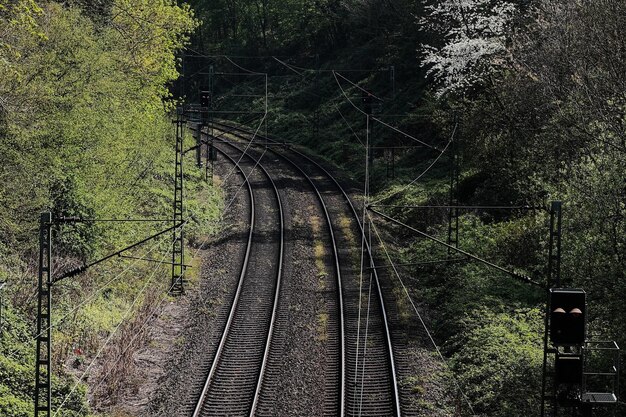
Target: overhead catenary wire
column 227, row 207
column 331, row 70
column 419, row 316
column 369, row 93
column 249, row 143
column 364, row 359
column 246, row 179
column 361, row 272
column 128, row 311
column 88, row 298
column 376, row 281
column 515, row 275
column 358, row 331
column 197, row 54
column 426, row 206
column 97, row 291
column 288, row 66
column 247, row 147
column 242, row 68
column 318, row 96
column 262, row 121
column 84, row 267
column 335, row 73
column 421, row 175
column 73, row 220
column 343, row 92
column 349, row 125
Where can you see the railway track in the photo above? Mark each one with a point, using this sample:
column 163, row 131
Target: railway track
column 208, row 326
column 369, row 385
column 233, row 380
column 334, row 372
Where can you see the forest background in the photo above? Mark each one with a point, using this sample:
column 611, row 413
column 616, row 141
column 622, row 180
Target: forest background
column 537, row 88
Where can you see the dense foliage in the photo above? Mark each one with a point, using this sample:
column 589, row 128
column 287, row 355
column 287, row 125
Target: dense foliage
column 84, row 131
column 538, row 87
column 539, row 90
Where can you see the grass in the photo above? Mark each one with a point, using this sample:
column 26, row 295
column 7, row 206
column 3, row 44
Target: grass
column 322, row 327
column 319, row 253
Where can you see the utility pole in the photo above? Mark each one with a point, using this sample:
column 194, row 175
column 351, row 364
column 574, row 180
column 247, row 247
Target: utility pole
column 43, row 365
column 367, row 108
column 554, row 251
column 178, row 250
column 209, row 168
column 453, row 211
column 43, row 353
column 549, row 401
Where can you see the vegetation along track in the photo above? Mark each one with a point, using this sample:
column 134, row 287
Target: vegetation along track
column 370, row 376
column 233, row 381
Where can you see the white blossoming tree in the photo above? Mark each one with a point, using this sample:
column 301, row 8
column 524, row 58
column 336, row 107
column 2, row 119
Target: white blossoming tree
column 471, row 41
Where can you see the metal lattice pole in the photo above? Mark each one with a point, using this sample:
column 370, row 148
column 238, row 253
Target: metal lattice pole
column 209, row 161
column 43, row 364
column 178, row 250
column 554, row 255
column 549, row 402
column 453, row 211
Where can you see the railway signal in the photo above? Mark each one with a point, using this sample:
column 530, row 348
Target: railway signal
column 567, row 316
column 570, row 380
column 205, row 98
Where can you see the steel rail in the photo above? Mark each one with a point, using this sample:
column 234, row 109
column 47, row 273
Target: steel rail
column 396, row 394
column 266, row 353
column 244, row 268
column 334, row 245
column 219, row 354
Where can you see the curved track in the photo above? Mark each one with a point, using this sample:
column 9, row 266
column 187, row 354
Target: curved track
column 233, row 381
column 200, row 355
column 334, row 404
column 369, row 385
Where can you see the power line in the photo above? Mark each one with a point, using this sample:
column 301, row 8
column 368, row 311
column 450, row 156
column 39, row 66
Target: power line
column 378, row 120
column 419, row 316
column 423, row 172
column 516, row 275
